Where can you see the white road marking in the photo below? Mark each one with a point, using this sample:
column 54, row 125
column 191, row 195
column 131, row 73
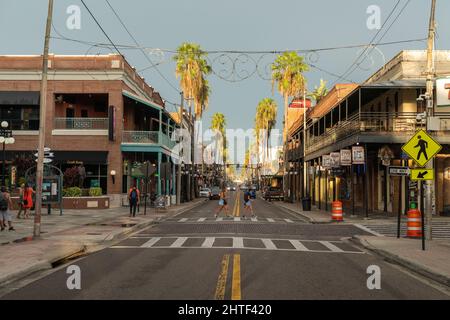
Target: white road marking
column 331, row 246
column 237, row 218
column 150, row 242
column 183, row 220
column 219, row 219
column 298, row 245
column 254, row 219
column 238, row 242
column 201, row 219
column 368, row 230
column 179, row 242
column 269, row 244
column 208, row 243
column 270, row 220
column 289, row 220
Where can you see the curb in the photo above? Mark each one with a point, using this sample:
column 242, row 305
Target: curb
column 86, row 248
column 414, row 267
column 311, row 220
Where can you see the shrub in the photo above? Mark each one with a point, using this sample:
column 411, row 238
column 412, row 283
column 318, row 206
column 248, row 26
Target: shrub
column 72, row 192
column 95, row 192
column 71, row 177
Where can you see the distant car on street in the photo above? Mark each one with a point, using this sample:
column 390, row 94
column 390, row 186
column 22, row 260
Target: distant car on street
column 205, row 192
column 272, row 193
column 243, row 187
column 215, row 193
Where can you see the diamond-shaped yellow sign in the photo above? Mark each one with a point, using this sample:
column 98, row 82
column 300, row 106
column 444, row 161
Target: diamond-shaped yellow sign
column 421, row 148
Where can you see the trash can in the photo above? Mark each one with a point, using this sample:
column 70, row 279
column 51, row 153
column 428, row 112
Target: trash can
column 306, row 203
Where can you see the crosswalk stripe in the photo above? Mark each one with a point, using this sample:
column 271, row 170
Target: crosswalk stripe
column 254, row 219
column 269, row 244
column 270, row 220
column 237, row 218
column 150, row 243
column 183, row 220
column 208, row 243
column 298, row 245
column 238, row 242
column 219, row 219
column 289, row 220
column 201, row 219
column 331, row 246
column 179, row 242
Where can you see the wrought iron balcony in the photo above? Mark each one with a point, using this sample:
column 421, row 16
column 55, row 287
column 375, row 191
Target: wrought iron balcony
column 147, row 137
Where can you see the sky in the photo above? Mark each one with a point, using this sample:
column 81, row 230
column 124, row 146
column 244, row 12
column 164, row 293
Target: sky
column 241, row 25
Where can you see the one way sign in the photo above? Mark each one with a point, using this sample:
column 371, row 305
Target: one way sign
column 422, row 174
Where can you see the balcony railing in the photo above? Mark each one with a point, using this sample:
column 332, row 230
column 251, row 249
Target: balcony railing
column 81, row 123
column 367, row 122
column 147, row 137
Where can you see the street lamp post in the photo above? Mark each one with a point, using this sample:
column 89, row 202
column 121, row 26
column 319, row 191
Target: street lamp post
column 5, row 138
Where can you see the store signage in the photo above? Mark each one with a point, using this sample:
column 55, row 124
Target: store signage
column 398, row 171
column 346, row 157
column 298, row 103
column 335, row 159
column 326, row 161
column 358, row 155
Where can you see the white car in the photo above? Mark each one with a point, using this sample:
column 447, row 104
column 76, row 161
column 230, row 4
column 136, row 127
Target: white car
column 205, row 192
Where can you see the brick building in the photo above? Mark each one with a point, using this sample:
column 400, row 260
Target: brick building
column 101, row 115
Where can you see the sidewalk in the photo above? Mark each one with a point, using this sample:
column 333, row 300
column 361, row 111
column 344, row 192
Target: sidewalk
column 322, row 216
column 432, row 263
column 74, row 233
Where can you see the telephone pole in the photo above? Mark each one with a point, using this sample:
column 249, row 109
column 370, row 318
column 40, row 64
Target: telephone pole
column 42, row 115
column 180, row 151
column 430, row 113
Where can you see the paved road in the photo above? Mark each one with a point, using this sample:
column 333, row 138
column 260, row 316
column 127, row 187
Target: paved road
column 197, row 256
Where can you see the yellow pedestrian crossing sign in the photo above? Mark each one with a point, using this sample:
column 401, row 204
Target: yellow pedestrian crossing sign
column 421, row 148
column 422, row 174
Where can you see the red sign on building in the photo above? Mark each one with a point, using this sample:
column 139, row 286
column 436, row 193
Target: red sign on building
column 298, row 103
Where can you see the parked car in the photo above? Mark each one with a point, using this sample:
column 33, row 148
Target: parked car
column 205, row 192
column 215, row 193
column 273, row 193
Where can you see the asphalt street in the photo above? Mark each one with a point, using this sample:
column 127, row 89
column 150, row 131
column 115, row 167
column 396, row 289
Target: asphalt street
column 275, row 255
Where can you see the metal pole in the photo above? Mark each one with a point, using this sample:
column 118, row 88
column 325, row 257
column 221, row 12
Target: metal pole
column 399, row 203
column 179, row 156
column 146, row 187
column 422, row 216
column 3, row 166
column 305, row 179
column 430, row 76
column 42, row 115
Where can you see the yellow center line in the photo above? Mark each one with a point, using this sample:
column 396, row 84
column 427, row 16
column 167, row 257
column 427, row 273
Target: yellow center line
column 236, row 283
column 222, row 280
column 238, row 205
column 235, row 206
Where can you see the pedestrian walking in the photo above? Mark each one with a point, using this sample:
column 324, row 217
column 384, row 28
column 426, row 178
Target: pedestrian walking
column 27, row 200
column 223, row 203
column 20, row 202
column 133, row 198
column 248, row 204
column 5, row 206
column 423, row 146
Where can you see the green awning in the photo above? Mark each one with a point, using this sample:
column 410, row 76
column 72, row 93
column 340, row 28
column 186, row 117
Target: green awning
column 141, row 100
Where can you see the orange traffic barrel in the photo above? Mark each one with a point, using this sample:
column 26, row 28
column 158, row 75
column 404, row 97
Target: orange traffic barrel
column 336, row 211
column 414, row 224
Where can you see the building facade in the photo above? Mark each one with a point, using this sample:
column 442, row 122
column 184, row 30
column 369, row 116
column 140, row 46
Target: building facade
column 101, row 116
column 375, row 119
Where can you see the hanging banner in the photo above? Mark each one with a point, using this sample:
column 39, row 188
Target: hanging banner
column 346, row 157
column 358, row 155
column 335, row 159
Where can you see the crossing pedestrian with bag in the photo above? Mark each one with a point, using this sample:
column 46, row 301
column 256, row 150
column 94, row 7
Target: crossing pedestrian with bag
column 223, row 203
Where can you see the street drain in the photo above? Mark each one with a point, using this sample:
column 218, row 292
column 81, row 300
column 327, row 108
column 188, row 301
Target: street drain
column 94, row 233
column 69, row 258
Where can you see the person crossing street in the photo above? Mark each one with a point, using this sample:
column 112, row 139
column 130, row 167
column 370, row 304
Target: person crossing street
column 133, row 198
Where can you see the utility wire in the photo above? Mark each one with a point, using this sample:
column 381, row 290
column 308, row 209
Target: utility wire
column 356, row 61
column 140, row 48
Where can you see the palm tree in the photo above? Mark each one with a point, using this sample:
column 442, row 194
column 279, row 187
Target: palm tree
column 219, row 122
column 287, row 73
column 265, row 119
column 192, row 68
column 319, row 92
